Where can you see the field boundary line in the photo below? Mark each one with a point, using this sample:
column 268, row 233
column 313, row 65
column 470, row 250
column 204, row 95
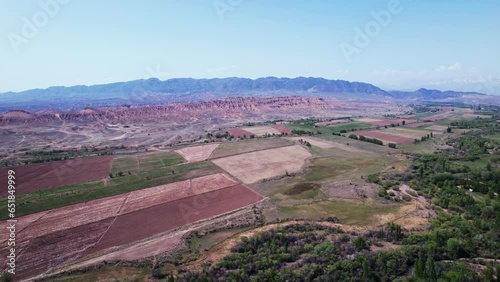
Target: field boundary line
column 236, row 183
column 161, row 160
column 216, row 158
column 138, row 164
column 183, row 226
column 30, row 241
column 210, row 157
column 118, row 213
column 232, row 177
column 75, row 264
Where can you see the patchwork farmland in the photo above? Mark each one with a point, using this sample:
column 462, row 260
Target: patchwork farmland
column 238, row 132
column 386, row 122
column 250, row 145
column 386, row 138
column 324, row 144
column 193, row 199
column 283, row 129
column 262, row 130
column 61, row 235
column 332, row 122
column 409, row 133
column 129, row 173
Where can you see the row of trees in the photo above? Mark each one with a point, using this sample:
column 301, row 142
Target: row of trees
column 366, row 139
column 304, row 142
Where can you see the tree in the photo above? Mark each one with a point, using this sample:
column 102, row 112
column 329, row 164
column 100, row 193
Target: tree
column 420, row 265
column 453, row 246
column 7, row 277
column 488, row 273
column 448, row 129
column 430, row 268
column 404, row 122
column 360, row 244
column 158, row 274
column 366, row 269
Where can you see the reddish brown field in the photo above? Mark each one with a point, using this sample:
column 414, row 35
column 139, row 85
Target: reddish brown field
column 384, row 137
column 73, row 216
column 56, row 248
column 174, row 191
column 282, row 128
column 147, row 222
column 238, row 132
column 30, row 178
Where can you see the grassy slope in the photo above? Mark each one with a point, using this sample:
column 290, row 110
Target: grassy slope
column 105, row 273
column 328, row 164
column 347, row 212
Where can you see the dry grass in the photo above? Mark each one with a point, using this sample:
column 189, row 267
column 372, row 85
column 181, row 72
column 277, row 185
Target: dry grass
column 323, row 144
column 255, row 166
column 261, row 130
column 407, row 133
column 197, row 153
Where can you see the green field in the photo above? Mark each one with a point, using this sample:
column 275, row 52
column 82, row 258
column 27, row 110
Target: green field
column 137, row 163
column 73, row 194
column 199, row 244
column 297, row 197
column 347, row 212
column 331, row 128
column 494, row 137
column 481, row 163
column 105, row 273
column 350, row 126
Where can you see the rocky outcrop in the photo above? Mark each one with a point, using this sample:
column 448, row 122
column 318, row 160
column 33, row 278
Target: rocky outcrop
column 229, row 107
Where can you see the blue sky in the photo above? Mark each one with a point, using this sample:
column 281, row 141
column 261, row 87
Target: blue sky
column 447, row 44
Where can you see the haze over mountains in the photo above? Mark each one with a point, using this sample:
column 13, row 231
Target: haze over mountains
column 180, row 90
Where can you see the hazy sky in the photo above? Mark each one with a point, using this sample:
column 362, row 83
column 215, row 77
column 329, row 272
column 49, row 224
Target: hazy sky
column 447, row 44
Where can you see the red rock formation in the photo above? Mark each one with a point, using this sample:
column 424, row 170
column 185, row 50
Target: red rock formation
column 229, row 107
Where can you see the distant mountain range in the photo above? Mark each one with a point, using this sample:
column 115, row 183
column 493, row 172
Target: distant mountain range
column 154, row 91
